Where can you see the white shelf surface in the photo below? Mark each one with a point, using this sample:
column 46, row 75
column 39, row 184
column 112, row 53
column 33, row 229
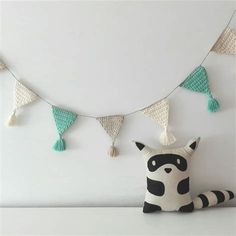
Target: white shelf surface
column 116, row 221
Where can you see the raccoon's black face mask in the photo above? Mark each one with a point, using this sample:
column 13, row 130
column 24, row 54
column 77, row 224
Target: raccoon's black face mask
column 159, row 160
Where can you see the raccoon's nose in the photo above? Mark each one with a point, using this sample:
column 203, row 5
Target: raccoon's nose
column 168, row 170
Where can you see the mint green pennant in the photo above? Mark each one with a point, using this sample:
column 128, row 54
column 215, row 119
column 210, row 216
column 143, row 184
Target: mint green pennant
column 197, row 81
column 64, row 120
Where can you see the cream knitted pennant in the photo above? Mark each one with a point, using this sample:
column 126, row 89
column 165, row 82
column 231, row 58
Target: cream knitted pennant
column 226, row 44
column 159, row 112
column 112, row 126
column 22, row 97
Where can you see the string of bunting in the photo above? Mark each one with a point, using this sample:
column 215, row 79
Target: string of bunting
column 197, row 81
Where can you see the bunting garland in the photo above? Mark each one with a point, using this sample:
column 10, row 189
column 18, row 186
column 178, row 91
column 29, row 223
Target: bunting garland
column 64, row 120
column 159, row 112
column 22, row 97
column 196, row 81
column 226, row 44
column 112, row 126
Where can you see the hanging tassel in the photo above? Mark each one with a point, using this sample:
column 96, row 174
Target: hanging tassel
column 2, row 65
column 213, row 104
column 60, row 145
column 167, row 138
column 112, row 152
column 12, row 119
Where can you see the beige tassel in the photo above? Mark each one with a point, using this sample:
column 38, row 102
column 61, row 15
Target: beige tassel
column 2, row 65
column 112, row 152
column 12, row 119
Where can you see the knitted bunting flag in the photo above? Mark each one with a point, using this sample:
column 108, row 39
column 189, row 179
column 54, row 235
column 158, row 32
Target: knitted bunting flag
column 112, row 125
column 226, row 44
column 22, row 97
column 2, row 65
column 159, row 112
column 64, row 120
column 197, row 81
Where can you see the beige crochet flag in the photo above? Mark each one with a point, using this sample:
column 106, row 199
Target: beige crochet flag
column 226, row 44
column 159, row 112
column 112, row 125
column 22, row 97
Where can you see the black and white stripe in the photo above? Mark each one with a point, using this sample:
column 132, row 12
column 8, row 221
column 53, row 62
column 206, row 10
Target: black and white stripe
column 212, row 198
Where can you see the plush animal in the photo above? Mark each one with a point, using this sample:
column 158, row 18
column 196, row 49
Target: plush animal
column 168, row 181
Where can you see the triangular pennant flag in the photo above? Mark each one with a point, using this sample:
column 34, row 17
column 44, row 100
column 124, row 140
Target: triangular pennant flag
column 2, row 65
column 112, row 125
column 22, row 97
column 64, row 120
column 159, row 112
column 226, row 44
column 197, row 81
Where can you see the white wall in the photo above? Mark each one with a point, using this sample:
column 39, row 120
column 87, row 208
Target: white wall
column 103, row 58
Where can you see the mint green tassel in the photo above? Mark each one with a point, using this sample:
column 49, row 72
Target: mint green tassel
column 213, row 104
column 60, row 145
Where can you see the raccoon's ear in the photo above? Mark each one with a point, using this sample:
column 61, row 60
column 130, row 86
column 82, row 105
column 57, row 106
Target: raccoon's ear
column 142, row 147
column 192, row 145
column 139, row 145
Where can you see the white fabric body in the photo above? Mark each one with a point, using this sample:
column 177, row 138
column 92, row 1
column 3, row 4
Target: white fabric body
column 171, row 200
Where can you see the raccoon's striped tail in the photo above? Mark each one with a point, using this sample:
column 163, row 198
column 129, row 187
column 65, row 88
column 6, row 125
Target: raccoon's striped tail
column 212, row 198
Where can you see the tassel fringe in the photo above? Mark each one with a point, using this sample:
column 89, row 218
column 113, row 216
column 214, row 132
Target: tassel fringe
column 167, row 138
column 60, row 145
column 113, row 152
column 11, row 120
column 213, row 105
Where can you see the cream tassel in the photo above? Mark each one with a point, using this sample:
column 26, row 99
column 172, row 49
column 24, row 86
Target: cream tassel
column 112, row 152
column 2, row 65
column 12, row 119
column 167, row 138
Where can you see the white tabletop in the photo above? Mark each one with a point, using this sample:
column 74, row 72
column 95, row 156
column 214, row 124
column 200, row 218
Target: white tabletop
column 116, row 221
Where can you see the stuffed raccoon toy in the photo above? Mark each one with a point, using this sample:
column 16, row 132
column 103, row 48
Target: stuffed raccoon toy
column 168, row 181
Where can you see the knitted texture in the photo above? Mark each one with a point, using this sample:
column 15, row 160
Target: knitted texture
column 2, row 65
column 159, row 112
column 64, row 120
column 226, row 44
column 22, row 97
column 112, row 125
column 197, row 81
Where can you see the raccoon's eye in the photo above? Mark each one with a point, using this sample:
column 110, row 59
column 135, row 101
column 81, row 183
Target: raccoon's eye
column 178, row 161
column 154, row 163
